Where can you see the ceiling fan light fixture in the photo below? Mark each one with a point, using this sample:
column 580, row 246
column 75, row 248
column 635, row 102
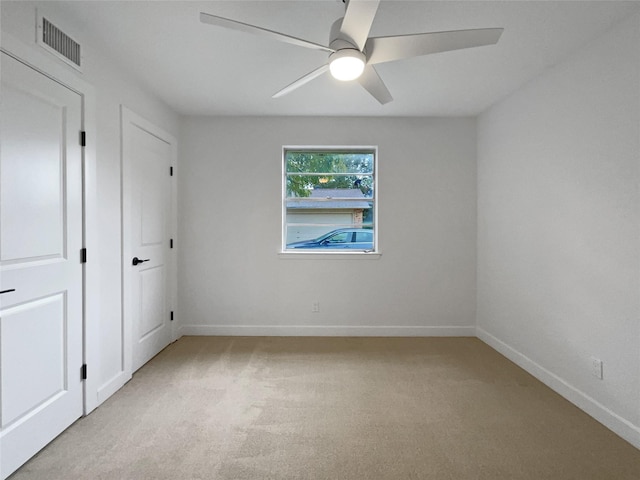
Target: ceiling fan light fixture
column 346, row 64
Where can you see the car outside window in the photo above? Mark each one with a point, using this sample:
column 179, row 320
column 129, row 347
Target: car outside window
column 363, row 237
column 340, row 237
column 329, row 199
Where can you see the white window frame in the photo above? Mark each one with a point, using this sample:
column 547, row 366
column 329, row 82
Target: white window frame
column 291, row 253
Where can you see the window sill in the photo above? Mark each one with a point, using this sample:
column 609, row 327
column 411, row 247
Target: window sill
column 330, row 256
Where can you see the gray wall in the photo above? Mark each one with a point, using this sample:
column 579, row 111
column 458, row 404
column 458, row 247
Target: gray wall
column 558, row 227
column 232, row 278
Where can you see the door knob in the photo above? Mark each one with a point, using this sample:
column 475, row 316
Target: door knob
column 8, row 291
column 137, row 260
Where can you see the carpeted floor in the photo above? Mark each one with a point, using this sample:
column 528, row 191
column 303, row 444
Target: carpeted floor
column 334, row 408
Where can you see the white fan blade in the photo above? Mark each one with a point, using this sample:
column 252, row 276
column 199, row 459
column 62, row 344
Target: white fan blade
column 245, row 27
column 301, row 81
column 387, row 49
column 357, row 21
column 373, row 84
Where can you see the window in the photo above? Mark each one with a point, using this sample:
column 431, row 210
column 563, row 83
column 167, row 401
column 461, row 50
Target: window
column 329, row 199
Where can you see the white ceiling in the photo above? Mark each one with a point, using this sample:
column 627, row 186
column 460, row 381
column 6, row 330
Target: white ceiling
column 199, row 69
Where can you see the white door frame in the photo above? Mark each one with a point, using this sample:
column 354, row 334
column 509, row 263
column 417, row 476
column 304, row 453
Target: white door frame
column 91, row 270
column 130, row 120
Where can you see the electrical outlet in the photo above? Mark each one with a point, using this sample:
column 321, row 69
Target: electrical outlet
column 315, row 307
column 596, row 367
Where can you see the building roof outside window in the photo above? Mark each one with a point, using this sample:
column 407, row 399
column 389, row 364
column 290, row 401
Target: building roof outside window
column 329, row 194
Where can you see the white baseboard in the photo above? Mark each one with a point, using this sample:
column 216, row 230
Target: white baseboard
column 112, row 386
column 616, row 423
column 326, row 331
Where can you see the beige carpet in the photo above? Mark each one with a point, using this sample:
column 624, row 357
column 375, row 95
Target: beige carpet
column 334, row 408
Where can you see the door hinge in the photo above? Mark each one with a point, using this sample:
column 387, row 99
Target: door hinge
column 171, row 243
column 172, row 315
column 171, row 171
column 83, row 255
column 83, row 372
column 83, row 139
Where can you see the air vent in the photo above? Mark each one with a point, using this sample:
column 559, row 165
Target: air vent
column 54, row 40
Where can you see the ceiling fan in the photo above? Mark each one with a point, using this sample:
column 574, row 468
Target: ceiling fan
column 352, row 54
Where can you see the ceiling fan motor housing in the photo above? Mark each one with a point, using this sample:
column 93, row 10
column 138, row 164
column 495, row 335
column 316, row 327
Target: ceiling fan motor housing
column 337, row 39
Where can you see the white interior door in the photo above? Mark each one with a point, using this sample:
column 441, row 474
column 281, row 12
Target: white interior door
column 148, row 264
column 40, row 266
